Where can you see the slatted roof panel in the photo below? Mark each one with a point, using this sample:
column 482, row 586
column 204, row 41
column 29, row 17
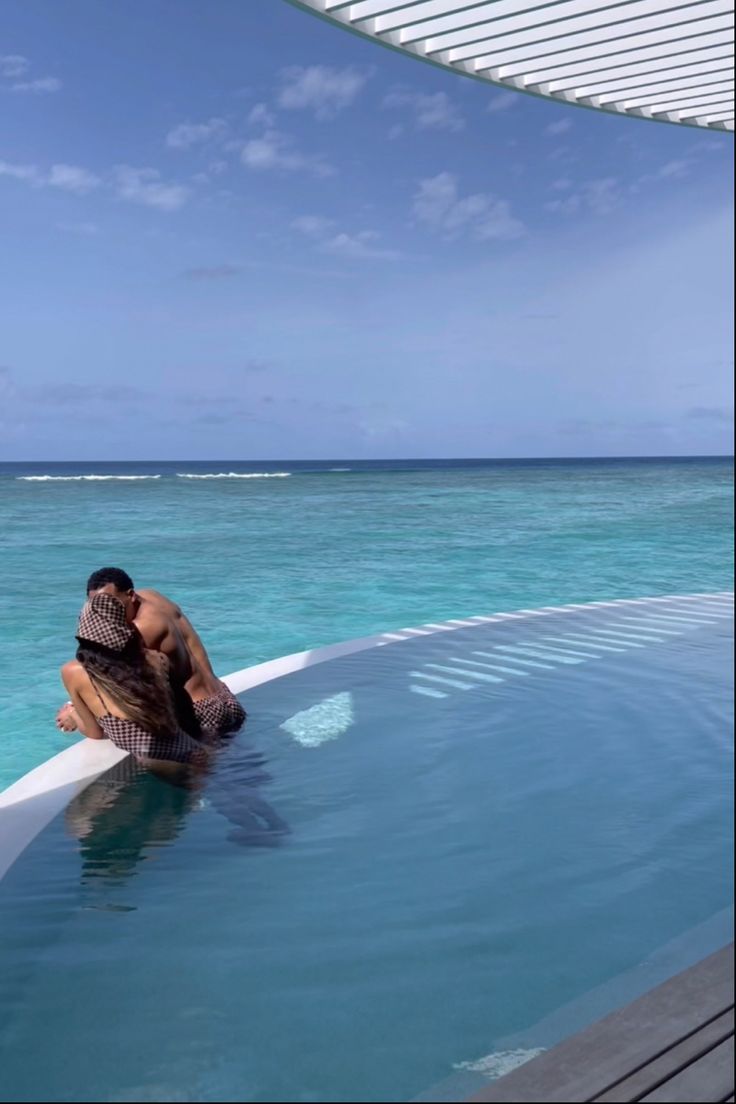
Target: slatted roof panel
column 666, row 60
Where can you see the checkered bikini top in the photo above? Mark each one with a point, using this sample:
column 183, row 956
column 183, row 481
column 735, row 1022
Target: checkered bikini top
column 131, row 737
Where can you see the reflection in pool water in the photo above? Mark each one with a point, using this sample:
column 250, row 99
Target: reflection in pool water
column 487, row 826
column 127, row 812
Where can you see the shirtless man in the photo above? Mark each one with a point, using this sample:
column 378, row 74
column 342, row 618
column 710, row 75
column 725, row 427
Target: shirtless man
column 164, row 628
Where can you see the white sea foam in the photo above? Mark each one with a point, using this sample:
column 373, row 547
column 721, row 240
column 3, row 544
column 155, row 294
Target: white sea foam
column 77, row 478
column 340, row 469
column 233, row 475
column 499, row 1062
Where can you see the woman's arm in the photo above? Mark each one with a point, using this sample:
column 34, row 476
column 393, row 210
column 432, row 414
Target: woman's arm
column 73, row 676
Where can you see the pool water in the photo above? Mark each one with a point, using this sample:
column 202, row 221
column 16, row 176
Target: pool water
column 412, row 856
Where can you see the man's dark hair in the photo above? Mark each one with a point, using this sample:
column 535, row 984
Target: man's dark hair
column 115, row 575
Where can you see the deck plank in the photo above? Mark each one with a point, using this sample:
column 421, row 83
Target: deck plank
column 654, row 1073
column 589, row 1064
column 708, row 1079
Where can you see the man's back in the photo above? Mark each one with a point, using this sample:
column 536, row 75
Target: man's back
column 164, row 626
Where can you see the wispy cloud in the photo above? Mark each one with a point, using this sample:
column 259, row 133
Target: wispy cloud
column 559, row 126
column 600, row 197
column 439, row 205
column 504, row 101
column 39, row 85
column 29, row 174
column 323, row 90
column 186, row 135
column 70, row 178
column 16, row 69
column 430, row 111
column 314, row 226
column 675, row 169
column 275, row 150
column 361, row 246
column 261, row 115
column 13, row 65
column 145, row 186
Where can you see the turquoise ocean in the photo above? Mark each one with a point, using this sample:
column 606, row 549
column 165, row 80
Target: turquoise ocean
column 272, row 558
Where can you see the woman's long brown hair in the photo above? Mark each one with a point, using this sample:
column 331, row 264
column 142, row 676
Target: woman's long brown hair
column 130, row 682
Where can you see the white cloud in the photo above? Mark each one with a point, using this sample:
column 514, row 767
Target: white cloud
column 431, row 111
column 145, row 186
column 40, row 85
column 320, row 89
column 191, row 134
column 439, row 205
column 673, row 169
column 261, row 115
column 72, row 179
column 274, row 150
column 27, row 173
column 359, row 247
column 676, row 169
column 314, row 226
column 559, row 126
column 503, row 101
column 602, row 196
column 598, row 196
column 362, row 246
column 13, row 65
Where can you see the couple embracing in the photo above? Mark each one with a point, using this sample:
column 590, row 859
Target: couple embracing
column 142, row 678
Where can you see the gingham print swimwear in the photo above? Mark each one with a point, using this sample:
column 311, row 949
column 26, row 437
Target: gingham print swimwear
column 222, row 713
column 129, row 736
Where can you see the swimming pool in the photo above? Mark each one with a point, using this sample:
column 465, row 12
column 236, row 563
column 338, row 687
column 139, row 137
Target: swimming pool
column 419, row 863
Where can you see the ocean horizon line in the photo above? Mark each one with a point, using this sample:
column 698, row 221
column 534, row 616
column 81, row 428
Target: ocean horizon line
column 375, row 459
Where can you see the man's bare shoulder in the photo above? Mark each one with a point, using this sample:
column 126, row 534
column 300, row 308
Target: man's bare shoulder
column 153, row 623
column 160, row 601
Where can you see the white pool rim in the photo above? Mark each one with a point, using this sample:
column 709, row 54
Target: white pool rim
column 29, row 804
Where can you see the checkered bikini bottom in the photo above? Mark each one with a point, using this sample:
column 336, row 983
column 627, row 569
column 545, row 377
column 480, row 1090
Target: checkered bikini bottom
column 220, row 714
column 125, row 734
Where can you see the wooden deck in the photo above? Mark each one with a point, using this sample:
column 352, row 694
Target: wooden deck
column 674, row 1044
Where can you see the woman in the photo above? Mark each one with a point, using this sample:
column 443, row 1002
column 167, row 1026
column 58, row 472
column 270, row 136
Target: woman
column 121, row 691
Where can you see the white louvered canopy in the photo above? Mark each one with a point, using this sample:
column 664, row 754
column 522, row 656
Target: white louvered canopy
column 665, row 60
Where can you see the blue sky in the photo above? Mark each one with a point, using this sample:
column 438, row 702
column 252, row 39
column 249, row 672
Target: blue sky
column 230, row 230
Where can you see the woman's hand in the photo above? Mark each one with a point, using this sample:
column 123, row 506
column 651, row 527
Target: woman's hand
column 66, row 718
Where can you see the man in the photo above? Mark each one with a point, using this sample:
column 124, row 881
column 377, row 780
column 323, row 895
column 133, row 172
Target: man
column 164, row 628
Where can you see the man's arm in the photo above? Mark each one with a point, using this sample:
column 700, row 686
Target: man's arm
column 194, row 643
column 191, row 637
column 160, row 634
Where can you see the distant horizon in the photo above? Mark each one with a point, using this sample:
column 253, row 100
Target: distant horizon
column 378, row 459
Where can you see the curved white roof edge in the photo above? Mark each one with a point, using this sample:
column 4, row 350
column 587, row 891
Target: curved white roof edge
column 666, row 60
column 29, row 804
